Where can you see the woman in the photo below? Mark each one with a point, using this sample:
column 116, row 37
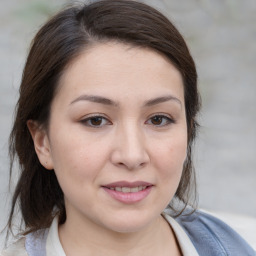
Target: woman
column 103, row 132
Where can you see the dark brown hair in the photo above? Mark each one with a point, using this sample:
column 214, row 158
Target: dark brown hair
column 57, row 43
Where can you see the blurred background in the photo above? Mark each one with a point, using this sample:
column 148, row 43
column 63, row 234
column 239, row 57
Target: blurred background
column 221, row 35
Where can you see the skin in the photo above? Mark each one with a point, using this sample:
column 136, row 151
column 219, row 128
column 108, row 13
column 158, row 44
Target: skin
column 137, row 138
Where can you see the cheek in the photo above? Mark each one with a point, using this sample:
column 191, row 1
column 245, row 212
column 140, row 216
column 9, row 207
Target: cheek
column 169, row 161
column 76, row 157
column 170, row 157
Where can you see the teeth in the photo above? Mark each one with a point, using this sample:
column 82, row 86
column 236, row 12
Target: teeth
column 129, row 190
column 126, row 190
column 136, row 189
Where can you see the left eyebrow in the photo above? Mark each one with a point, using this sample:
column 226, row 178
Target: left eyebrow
column 162, row 99
column 96, row 99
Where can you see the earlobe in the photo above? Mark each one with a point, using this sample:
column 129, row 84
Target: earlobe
column 41, row 144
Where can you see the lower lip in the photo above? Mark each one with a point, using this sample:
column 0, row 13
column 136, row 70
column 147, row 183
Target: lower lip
column 129, row 198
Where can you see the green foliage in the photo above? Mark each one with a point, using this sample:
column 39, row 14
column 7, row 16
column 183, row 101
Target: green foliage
column 36, row 10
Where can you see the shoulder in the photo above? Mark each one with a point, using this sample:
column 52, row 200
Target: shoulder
column 33, row 244
column 211, row 236
column 16, row 249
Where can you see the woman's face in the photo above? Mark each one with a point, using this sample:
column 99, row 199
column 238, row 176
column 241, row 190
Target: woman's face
column 117, row 136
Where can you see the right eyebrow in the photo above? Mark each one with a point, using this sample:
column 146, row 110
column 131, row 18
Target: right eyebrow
column 94, row 98
column 162, row 99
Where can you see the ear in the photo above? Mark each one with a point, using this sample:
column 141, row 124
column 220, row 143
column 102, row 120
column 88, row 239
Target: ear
column 41, row 144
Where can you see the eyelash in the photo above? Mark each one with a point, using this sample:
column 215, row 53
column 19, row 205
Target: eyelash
column 88, row 121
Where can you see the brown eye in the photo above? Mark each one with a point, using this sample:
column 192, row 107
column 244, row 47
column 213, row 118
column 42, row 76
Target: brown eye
column 95, row 121
column 157, row 120
column 160, row 120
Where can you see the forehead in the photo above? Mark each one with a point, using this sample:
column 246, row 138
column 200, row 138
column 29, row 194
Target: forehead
column 110, row 68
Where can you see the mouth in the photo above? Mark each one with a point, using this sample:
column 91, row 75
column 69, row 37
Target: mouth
column 128, row 187
column 128, row 192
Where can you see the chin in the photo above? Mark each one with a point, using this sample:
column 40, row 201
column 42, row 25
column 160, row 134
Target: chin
column 130, row 224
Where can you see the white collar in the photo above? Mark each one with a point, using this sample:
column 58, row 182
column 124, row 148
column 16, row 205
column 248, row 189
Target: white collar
column 185, row 243
column 53, row 245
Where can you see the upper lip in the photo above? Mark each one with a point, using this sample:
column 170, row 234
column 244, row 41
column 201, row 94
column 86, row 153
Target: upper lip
column 128, row 184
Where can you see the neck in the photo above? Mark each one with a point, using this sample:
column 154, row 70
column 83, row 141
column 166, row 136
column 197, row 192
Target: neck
column 91, row 239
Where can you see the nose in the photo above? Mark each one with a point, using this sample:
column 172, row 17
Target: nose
column 130, row 148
